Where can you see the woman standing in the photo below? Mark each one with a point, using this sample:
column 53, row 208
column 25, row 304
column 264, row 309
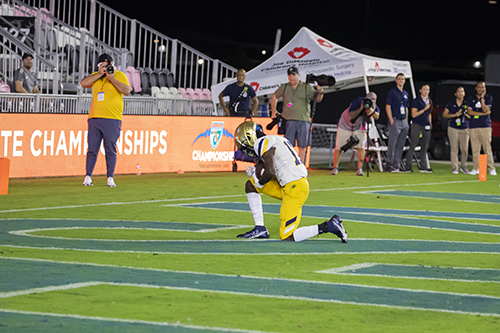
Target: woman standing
column 458, row 130
column 421, row 111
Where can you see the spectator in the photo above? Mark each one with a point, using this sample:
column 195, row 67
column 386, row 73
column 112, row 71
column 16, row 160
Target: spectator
column 296, row 108
column 239, row 94
column 353, row 122
column 479, row 108
column 421, row 112
column 397, row 112
column 283, row 177
column 25, row 80
column 105, row 115
column 458, row 130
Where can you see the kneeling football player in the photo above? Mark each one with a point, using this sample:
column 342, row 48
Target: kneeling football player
column 282, row 176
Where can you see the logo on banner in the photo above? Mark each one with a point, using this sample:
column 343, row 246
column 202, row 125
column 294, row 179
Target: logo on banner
column 255, row 85
column 324, row 43
column 299, row 52
column 377, row 67
column 215, row 134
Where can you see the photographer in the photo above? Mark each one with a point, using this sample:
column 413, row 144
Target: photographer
column 352, row 125
column 296, row 108
column 105, row 115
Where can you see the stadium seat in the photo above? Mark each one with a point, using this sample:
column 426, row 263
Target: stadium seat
column 145, row 82
column 154, row 91
column 198, row 91
column 170, row 95
column 195, row 95
column 190, row 90
column 153, row 78
column 165, row 89
column 207, row 91
column 204, row 95
column 178, row 95
column 181, row 90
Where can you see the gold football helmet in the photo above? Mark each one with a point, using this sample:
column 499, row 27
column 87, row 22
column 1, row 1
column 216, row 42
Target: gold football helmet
column 245, row 136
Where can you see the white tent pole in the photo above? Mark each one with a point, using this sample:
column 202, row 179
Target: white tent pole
column 277, row 41
column 366, row 84
column 412, row 88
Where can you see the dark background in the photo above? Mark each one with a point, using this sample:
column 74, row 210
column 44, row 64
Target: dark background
column 441, row 39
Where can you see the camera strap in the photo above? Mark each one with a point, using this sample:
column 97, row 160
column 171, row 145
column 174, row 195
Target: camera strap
column 244, row 90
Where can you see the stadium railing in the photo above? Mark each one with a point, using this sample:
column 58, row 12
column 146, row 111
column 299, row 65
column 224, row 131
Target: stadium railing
column 78, row 104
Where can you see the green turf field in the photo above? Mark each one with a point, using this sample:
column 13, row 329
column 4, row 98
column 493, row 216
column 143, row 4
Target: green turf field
column 158, row 253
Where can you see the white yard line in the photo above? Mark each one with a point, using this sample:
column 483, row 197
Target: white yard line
column 215, row 197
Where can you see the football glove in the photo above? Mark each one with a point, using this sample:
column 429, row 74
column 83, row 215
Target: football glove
column 250, row 171
column 256, row 181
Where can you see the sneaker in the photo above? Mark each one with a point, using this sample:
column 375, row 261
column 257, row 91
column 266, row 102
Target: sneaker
column 335, row 227
column 87, row 181
column 394, row 171
column 493, row 172
column 427, row 170
column 455, row 171
column 464, row 170
column 257, row 232
column 335, row 171
column 474, row 172
column 406, row 170
column 111, row 182
column 360, row 172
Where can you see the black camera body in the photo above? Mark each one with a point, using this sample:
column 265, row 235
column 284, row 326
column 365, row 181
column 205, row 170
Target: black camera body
column 322, row 80
column 110, row 69
column 280, row 121
column 353, row 140
column 367, row 103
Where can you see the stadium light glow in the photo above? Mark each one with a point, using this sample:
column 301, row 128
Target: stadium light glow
column 162, row 48
column 264, row 52
column 477, row 64
column 200, row 61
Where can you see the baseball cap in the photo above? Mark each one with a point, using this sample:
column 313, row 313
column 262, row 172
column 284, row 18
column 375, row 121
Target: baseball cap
column 105, row 57
column 292, row 70
column 26, row 55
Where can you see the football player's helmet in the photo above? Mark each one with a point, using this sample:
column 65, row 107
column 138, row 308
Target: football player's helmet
column 245, row 136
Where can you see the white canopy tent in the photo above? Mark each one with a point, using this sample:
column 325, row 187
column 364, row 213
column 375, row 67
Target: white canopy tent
column 313, row 54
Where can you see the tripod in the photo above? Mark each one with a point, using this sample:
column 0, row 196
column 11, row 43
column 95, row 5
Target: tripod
column 309, row 136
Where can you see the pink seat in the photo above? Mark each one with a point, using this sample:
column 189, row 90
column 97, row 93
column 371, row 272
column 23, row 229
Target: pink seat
column 4, row 87
column 134, row 78
column 187, row 95
column 198, row 91
column 204, row 95
column 190, row 90
column 181, row 90
column 195, row 95
column 207, row 91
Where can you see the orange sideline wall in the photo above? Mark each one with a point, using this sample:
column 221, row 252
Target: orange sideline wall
column 41, row 145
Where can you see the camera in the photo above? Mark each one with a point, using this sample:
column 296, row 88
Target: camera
column 367, row 103
column 322, row 80
column 353, row 140
column 280, row 121
column 110, row 69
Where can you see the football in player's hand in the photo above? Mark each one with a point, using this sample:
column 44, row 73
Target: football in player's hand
column 259, row 169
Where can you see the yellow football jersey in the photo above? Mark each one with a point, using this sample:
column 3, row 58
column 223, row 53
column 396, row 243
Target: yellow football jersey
column 287, row 164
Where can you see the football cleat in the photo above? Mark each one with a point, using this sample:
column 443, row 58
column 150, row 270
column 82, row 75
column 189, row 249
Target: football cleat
column 335, row 227
column 257, row 232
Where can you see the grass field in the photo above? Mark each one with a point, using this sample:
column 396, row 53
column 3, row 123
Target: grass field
column 158, row 253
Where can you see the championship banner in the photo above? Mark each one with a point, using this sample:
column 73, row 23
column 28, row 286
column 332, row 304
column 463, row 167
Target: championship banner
column 42, row 145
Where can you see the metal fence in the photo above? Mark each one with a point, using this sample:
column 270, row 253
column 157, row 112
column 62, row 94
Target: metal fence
column 77, row 104
column 134, row 43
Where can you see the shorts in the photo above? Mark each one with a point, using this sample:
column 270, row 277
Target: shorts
column 297, row 130
column 293, row 196
column 343, row 136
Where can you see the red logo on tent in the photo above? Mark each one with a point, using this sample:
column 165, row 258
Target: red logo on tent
column 255, row 85
column 298, row 52
column 325, row 43
column 377, row 67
